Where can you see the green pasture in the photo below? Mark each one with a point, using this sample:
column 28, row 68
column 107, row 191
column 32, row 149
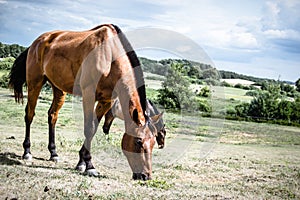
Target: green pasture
column 204, row 158
column 229, row 93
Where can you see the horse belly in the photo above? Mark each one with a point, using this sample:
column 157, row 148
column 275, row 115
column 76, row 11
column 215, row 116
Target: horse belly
column 61, row 77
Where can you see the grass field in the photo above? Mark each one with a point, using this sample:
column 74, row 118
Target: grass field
column 203, row 158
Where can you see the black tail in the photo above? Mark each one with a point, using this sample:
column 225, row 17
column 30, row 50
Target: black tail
column 17, row 76
column 135, row 63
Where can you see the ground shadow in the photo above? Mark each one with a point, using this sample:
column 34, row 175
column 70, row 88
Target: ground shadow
column 8, row 158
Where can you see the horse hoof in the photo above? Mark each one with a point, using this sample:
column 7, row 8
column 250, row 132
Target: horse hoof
column 81, row 167
column 91, row 172
column 54, row 159
column 27, row 157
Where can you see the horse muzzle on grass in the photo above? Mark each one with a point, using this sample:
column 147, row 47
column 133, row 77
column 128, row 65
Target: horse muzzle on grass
column 138, row 152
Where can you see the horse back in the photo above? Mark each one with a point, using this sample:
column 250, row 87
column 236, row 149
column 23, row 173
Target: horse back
column 58, row 55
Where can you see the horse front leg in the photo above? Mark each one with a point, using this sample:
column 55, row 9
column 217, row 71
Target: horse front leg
column 90, row 128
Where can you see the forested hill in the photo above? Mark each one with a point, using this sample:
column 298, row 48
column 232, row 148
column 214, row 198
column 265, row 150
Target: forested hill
column 10, row 50
column 189, row 68
column 199, row 70
column 194, row 70
column 234, row 75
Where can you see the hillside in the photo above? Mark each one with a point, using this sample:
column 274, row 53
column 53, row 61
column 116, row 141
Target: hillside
column 197, row 72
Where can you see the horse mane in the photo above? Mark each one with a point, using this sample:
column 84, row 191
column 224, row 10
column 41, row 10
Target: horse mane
column 135, row 63
column 97, row 27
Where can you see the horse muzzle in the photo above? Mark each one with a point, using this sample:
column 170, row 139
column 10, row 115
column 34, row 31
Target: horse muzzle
column 141, row 176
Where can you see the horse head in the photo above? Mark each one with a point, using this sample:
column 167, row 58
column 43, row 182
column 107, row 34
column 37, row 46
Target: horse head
column 138, row 148
column 160, row 126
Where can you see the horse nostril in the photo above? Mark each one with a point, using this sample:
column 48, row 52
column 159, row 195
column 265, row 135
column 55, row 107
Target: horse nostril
column 135, row 176
column 161, row 146
column 140, row 176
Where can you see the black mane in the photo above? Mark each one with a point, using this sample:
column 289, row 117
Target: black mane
column 135, row 63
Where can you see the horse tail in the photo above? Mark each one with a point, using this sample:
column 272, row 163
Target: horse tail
column 135, row 63
column 17, row 76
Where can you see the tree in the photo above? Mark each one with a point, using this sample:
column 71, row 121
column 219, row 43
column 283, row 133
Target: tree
column 298, row 85
column 284, row 111
column 265, row 104
column 295, row 117
column 176, row 93
column 13, row 50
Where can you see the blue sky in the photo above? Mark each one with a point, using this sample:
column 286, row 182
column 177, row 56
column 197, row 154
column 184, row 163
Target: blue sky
column 259, row 38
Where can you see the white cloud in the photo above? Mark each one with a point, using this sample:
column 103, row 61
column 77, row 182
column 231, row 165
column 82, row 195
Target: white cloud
column 229, row 31
column 282, row 34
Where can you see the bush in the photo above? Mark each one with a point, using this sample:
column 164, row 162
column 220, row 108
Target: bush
column 252, row 93
column 204, row 106
column 240, row 86
column 225, row 84
column 231, row 111
column 204, row 92
column 6, row 63
column 242, row 109
column 4, row 81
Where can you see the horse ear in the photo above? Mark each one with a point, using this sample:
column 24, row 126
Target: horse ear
column 155, row 119
column 135, row 116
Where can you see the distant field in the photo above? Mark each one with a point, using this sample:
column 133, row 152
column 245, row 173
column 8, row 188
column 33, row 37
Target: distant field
column 225, row 93
column 228, row 93
column 238, row 81
column 153, row 81
column 233, row 93
column 204, row 158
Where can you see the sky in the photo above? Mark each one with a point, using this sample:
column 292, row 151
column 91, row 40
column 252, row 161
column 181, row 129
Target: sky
column 252, row 37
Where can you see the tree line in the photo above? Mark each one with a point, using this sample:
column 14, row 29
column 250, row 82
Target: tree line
column 270, row 106
column 12, row 50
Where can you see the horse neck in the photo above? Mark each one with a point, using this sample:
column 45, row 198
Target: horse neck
column 127, row 84
column 128, row 95
column 129, row 102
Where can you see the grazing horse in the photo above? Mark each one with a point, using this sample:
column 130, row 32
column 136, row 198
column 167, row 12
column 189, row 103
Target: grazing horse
column 116, row 111
column 100, row 65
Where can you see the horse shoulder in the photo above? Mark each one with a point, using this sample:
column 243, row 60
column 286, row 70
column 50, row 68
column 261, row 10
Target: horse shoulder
column 96, row 65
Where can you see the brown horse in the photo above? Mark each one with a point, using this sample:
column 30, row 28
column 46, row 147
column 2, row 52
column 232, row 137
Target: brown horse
column 100, row 65
column 116, row 111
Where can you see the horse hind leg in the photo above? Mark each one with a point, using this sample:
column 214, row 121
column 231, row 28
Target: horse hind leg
column 34, row 89
column 57, row 103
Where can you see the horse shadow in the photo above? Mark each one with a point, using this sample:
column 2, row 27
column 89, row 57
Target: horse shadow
column 11, row 159
column 8, row 158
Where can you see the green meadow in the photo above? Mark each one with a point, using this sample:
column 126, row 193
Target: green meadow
column 204, row 158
